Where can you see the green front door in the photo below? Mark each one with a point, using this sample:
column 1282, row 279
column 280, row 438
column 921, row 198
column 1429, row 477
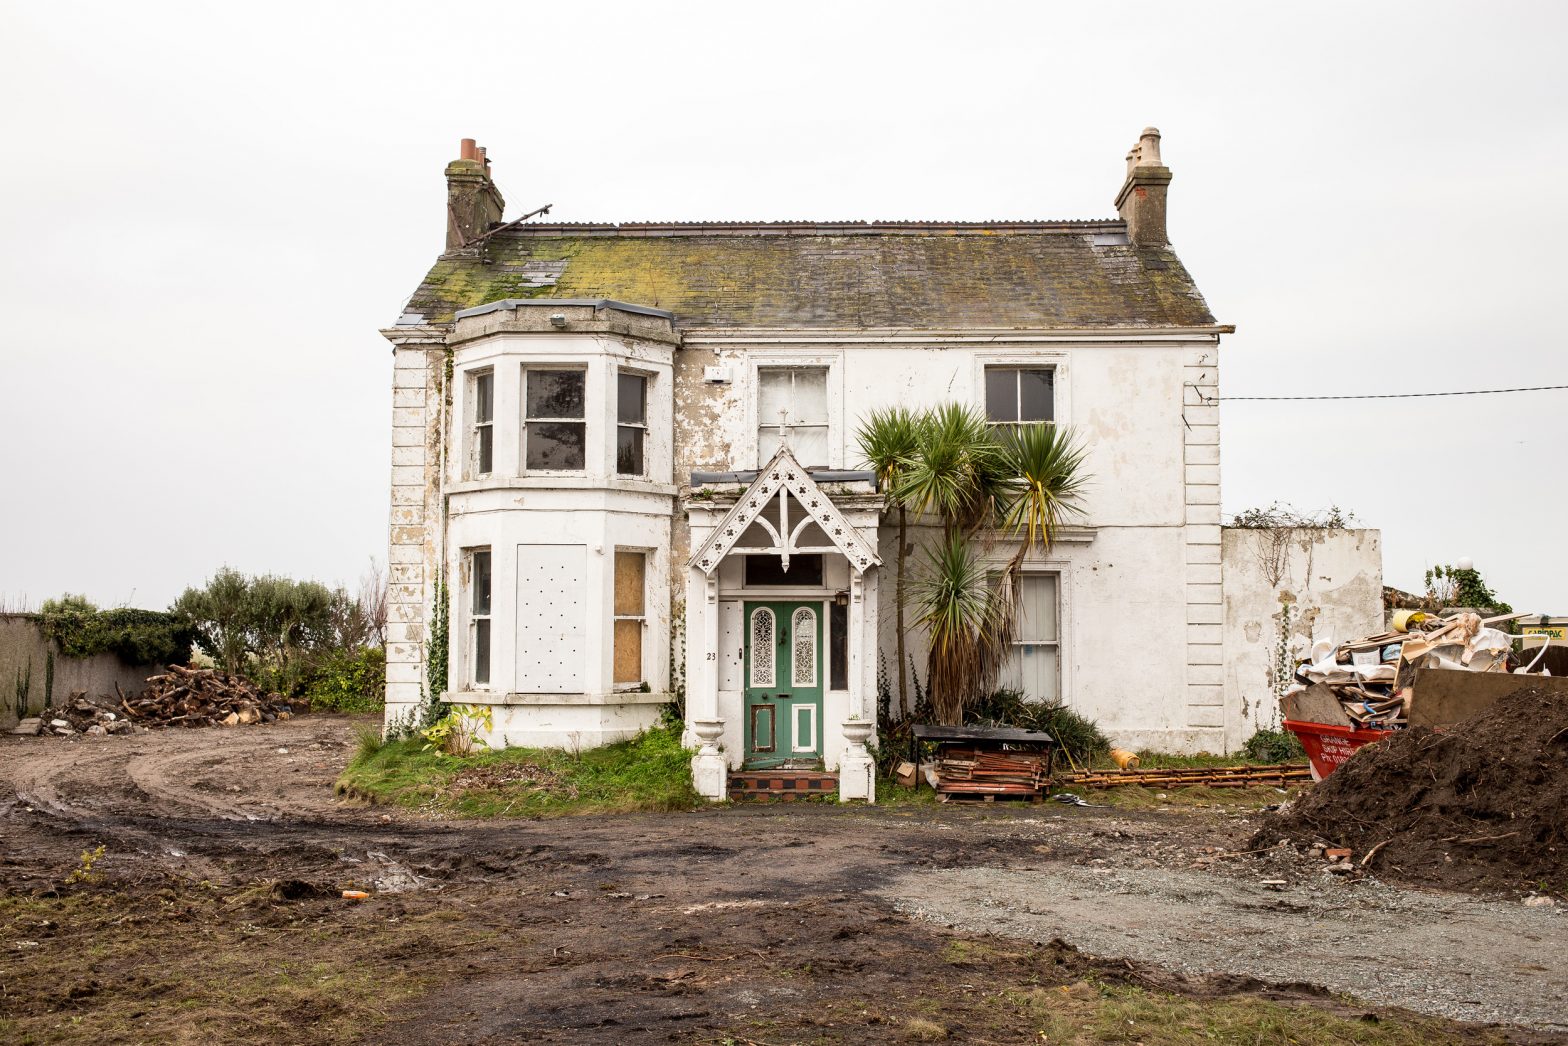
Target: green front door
column 783, row 667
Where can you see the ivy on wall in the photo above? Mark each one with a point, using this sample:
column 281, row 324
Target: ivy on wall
column 136, row 637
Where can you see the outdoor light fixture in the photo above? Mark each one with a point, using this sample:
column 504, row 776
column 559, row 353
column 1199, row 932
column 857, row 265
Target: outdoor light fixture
column 558, row 319
column 841, row 599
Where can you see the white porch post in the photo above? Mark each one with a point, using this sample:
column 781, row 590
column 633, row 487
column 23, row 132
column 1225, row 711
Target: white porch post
column 857, row 771
column 708, row 771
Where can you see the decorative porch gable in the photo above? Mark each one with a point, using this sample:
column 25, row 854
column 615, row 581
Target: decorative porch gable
column 783, row 477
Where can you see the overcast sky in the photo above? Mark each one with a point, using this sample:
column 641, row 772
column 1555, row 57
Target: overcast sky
column 208, row 210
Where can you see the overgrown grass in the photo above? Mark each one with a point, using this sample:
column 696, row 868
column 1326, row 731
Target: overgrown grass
column 650, row 772
column 1096, row 1012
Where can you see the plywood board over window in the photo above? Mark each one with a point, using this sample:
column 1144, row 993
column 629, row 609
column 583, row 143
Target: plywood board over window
column 631, row 570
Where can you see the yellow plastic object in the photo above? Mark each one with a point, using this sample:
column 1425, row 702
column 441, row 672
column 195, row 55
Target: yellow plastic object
column 355, row 895
column 1405, row 620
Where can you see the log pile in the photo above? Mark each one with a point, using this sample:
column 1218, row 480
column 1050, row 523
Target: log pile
column 190, row 696
column 976, row 771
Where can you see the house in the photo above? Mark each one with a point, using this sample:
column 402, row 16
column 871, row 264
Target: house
column 624, row 464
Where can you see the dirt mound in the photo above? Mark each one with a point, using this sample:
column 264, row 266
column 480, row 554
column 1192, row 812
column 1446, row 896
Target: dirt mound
column 1482, row 804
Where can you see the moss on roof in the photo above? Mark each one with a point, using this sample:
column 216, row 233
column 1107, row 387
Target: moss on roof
column 933, row 277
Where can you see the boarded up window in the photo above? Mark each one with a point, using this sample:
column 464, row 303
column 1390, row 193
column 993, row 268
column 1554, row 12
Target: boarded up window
column 552, row 618
column 630, row 614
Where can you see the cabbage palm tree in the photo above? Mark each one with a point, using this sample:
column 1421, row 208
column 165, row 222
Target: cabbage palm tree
column 959, row 470
column 890, row 443
column 1021, row 484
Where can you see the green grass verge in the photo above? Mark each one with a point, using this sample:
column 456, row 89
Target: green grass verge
column 650, row 772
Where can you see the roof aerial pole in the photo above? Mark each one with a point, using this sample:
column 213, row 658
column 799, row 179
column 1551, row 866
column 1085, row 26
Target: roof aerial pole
column 502, row 228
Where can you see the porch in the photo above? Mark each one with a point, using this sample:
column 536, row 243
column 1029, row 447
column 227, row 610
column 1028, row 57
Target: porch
column 781, row 626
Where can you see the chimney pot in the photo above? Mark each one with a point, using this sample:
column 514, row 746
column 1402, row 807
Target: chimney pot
column 1149, row 148
column 468, row 150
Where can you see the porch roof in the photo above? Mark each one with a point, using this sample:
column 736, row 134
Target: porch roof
column 784, row 478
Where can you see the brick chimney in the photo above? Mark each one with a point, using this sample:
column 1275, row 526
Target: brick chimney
column 473, row 203
column 1141, row 203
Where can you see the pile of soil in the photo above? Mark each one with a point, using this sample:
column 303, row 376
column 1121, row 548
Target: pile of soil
column 1483, row 803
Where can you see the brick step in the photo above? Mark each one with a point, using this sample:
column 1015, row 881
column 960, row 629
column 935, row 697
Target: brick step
column 758, row 785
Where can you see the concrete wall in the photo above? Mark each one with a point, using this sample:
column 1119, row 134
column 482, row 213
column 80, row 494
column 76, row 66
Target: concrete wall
column 31, row 663
column 1293, row 586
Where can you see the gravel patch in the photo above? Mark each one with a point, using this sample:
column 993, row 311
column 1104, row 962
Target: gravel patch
column 1440, row 954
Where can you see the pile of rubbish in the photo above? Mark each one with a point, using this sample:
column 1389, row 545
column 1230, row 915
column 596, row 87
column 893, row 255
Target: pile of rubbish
column 1372, row 677
column 1481, row 803
column 180, row 696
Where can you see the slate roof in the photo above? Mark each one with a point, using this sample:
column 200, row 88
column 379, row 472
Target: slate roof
column 923, row 275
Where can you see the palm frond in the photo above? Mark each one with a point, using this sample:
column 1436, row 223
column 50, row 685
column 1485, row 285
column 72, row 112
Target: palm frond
column 1044, row 465
column 955, row 468
column 889, row 442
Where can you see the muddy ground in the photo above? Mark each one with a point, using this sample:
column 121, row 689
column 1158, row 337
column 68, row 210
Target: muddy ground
column 214, row 915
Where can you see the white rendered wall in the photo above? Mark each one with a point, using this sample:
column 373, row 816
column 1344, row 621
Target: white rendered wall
column 1332, row 583
column 1140, row 573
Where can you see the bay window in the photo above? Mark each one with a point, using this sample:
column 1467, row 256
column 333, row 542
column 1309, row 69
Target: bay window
column 555, row 426
column 631, row 416
column 630, row 614
column 479, row 617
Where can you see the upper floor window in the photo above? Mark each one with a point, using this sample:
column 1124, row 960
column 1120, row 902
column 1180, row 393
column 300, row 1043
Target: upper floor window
column 1020, row 395
column 554, row 422
column 631, row 416
column 792, row 403
column 482, row 431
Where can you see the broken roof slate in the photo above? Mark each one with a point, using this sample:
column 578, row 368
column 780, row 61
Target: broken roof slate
column 1030, row 275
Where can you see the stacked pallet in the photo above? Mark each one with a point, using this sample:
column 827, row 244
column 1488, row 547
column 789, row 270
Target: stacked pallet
column 976, row 771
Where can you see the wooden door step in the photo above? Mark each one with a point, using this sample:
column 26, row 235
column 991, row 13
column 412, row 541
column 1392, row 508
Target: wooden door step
column 756, row 785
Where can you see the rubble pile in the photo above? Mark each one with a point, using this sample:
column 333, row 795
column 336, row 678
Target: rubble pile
column 1372, row 677
column 78, row 715
column 205, row 697
column 180, row 696
column 1483, row 802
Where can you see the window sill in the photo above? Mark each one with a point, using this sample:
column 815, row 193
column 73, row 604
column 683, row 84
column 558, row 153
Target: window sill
column 563, row 481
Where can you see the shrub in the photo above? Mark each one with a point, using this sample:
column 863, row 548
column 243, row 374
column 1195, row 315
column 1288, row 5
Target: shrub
column 349, row 681
column 1273, row 746
column 1076, row 735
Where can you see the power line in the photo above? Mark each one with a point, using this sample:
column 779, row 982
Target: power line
column 1397, row 395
